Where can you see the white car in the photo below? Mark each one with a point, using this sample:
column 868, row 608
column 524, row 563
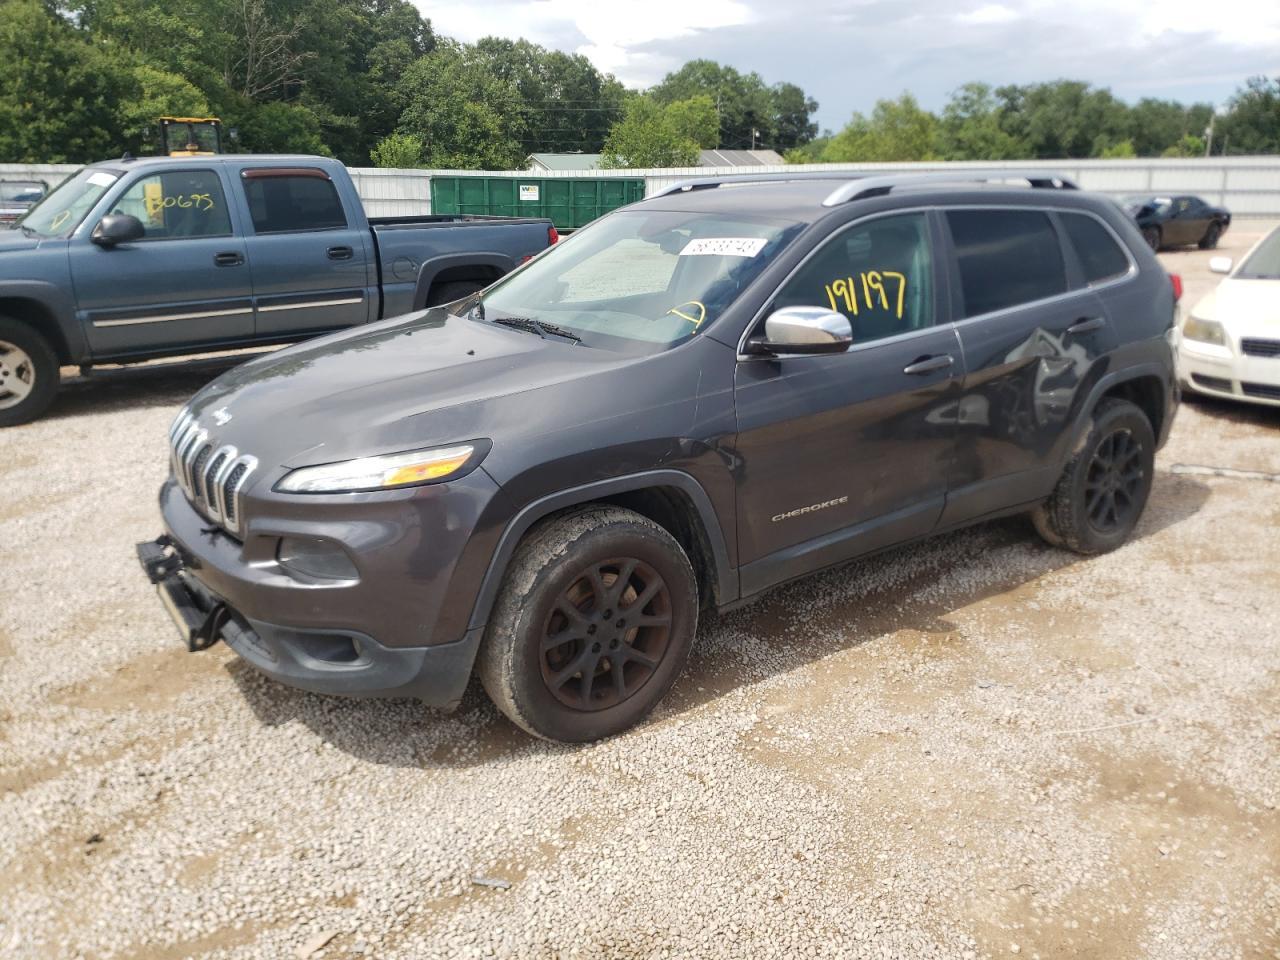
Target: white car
column 1230, row 341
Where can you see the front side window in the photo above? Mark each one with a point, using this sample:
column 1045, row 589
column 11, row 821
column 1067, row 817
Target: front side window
column 177, row 205
column 289, row 202
column 639, row 280
column 1100, row 256
column 1006, row 258
column 1264, row 262
column 61, row 211
column 879, row 274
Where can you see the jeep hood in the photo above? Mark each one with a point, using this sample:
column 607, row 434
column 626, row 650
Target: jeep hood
column 415, row 381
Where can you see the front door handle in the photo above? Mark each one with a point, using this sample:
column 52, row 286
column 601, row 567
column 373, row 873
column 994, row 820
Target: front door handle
column 231, row 259
column 340, row 253
column 1087, row 325
column 929, row 364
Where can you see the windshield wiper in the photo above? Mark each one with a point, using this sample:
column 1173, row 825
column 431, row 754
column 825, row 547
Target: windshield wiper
column 538, row 327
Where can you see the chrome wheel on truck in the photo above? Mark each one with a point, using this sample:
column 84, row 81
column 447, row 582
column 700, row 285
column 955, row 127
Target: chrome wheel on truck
column 28, row 373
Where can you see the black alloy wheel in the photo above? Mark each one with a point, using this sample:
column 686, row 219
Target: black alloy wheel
column 1113, row 482
column 606, row 635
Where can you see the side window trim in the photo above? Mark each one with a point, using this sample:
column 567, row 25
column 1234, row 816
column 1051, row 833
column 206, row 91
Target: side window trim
column 143, row 176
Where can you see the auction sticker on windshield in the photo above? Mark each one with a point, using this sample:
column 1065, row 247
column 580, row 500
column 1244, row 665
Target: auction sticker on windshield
column 724, row 247
column 99, row 179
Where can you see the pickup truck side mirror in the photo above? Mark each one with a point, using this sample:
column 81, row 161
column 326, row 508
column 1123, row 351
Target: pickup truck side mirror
column 803, row 330
column 117, row 228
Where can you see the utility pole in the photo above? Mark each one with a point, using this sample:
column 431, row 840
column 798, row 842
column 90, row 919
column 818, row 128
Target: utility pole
column 1208, row 143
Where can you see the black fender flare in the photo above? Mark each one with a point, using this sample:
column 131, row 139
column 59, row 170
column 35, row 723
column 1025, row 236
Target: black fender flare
column 59, row 305
column 434, row 266
column 1080, row 428
column 725, row 573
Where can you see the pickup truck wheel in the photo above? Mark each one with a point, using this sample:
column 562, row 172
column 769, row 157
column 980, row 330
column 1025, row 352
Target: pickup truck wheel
column 449, row 292
column 592, row 626
column 1211, row 236
column 1104, row 489
column 1152, row 236
column 28, row 373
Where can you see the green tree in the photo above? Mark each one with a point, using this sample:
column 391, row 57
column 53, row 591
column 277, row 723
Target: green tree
column 1062, row 119
column 1123, row 150
column 1252, row 122
column 793, row 111
column 695, row 119
column 398, row 151
column 1188, row 146
column 279, row 127
column 466, row 117
column 745, row 105
column 896, row 130
column 646, row 136
column 970, row 127
column 58, row 95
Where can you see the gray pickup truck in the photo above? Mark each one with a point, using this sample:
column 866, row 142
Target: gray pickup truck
column 131, row 260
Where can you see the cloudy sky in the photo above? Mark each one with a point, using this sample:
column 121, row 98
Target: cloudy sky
column 849, row 54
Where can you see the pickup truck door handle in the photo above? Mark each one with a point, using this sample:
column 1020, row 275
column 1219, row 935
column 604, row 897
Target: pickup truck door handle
column 232, row 259
column 1087, row 325
column 929, row 364
column 340, row 253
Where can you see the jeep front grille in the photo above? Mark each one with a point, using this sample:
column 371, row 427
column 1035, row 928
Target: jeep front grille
column 211, row 475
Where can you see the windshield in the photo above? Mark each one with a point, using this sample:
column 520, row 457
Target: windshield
column 61, row 211
column 1264, row 262
column 1158, row 205
column 21, row 191
column 639, row 281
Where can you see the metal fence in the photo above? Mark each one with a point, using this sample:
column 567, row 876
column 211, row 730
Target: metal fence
column 1247, row 186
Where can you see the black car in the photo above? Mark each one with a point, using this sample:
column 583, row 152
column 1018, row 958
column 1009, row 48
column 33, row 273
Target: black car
column 1169, row 221
column 692, row 400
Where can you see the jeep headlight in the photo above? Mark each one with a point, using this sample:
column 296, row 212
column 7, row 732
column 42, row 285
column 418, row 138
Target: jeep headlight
column 1204, row 331
column 387, row 472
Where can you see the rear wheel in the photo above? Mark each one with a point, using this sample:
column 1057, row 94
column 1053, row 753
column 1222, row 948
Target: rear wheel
column 1105, row 486
column 28, row 373
column 1152, row 236
column 593, row 625
column 443, row 293
column 1211, row 236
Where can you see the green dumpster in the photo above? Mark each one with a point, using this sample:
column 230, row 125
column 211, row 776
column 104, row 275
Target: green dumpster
column 569, row 202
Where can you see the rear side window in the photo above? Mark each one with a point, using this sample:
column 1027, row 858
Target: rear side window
column 1006, row 257
column 1100, row 256
column 282, row 203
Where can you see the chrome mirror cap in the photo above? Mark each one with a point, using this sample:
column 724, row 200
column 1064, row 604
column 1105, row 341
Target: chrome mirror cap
column 803, row 330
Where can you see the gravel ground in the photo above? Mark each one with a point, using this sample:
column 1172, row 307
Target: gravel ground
column 979, row 746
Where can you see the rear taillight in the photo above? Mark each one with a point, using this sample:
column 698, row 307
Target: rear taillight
column 553, row 236
column 1176, row 280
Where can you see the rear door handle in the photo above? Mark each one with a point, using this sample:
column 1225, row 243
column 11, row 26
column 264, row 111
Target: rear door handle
column 231, row 259
column 340, row 253
column 1087, row 325
column 929, row 365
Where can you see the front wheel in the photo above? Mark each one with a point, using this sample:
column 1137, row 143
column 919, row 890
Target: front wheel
column 1105, row 486
column 1211, row 236
column 1152, row 236
column 593, row 624
column 28, row 373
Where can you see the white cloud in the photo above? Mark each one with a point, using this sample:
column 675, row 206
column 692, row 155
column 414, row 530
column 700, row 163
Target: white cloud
column 990, row 13
column 607, row 32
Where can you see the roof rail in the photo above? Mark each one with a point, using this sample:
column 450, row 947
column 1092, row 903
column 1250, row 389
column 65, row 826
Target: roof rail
column 864, row 187
column 860, row 188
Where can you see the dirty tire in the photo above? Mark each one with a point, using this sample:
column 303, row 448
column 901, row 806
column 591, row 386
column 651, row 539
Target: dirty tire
column 1211, row 236
column 449, row 292
column 520, row 662
column 1117, row 457
column 28, row 373
column 1152, row 236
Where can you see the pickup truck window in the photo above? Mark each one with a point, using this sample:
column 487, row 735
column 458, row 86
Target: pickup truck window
column 178, row 205
column 879, row 274
column 292, row 202
column 640, row 281
column 61, row 211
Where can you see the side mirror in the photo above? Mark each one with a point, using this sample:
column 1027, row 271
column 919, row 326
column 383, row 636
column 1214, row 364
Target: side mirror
column 1220, row 264
column 117, row 228
column 803, row 330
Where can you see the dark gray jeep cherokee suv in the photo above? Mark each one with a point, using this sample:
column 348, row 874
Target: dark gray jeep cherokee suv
column 724, row 387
